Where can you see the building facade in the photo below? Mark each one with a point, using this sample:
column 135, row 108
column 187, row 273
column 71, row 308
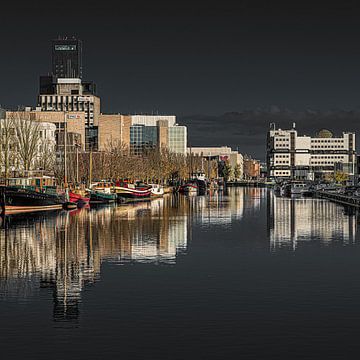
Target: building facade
column 113, row 131
column 74, row 122
column 221, row 154
column 67, row 57
column 290, row 156
column 72, row 95
column 141, row 133
column 25, row 144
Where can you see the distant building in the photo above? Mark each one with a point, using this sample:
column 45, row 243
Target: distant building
column 140, row 133
column 149, row 131
column 290, row 156
column 113, row 131
column 152, row 120
column 220, row 153
column 72, row 95
column 65, row 91
column 67, row 57
column 17, row 136
column 75, row 123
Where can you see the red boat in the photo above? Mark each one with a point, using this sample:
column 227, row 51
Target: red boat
column 78, row 199
column 190, row 187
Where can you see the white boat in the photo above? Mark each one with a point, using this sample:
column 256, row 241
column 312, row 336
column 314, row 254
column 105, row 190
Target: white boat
column 157, row 190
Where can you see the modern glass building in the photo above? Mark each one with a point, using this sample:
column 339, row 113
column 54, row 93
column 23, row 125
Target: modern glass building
column 143, row 138
column 177, row 141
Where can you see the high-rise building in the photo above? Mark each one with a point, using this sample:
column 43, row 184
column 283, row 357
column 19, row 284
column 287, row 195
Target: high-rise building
column 67, row 57
column 65, row 91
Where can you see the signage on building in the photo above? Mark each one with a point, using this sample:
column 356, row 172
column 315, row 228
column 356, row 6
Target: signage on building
column 85, row 98
column 65, row 47
column 73, row 116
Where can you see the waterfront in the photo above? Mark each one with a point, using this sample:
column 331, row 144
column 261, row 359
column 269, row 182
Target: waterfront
column 241, row 274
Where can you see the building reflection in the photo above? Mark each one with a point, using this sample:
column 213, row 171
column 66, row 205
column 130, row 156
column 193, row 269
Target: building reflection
column 63, row 252
column 219, row 207
column 295, row 222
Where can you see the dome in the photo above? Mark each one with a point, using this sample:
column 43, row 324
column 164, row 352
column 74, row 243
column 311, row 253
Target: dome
column 324, row 133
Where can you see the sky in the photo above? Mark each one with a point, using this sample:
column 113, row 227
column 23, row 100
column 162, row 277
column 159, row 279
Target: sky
column 191, row 58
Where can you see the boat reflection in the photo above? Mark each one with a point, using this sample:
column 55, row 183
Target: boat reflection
column 292, row 223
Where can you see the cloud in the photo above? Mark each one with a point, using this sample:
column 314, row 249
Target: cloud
column 247, row 130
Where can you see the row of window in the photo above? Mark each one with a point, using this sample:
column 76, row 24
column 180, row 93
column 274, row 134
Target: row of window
column 327, row 140
column 327, row 157
column 323, row 162
column 282, row 173
column 329, row 146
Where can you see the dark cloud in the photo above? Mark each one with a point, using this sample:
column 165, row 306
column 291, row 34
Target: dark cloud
column 247, row 130
column 188, row 57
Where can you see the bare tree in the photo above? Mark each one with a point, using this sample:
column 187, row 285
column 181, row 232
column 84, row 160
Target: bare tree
column 7, row 145
column 27, row 136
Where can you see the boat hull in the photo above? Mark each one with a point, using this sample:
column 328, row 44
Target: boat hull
column 97, row 197
column 78, row 199
column 124, row 193
column 18, row 200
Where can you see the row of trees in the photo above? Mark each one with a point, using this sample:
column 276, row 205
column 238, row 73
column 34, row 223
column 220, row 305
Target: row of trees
column 157, row 165
column 23, row 149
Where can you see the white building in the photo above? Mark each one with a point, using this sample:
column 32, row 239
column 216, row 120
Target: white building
column 151, row 120
column 147, row 131
column 17, row 137
column 290, row 156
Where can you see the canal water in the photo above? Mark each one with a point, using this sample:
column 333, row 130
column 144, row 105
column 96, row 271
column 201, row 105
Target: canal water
column 241, row 274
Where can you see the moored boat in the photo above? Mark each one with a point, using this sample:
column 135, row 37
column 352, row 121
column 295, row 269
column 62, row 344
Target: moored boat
column 157, row 190
column 78, row 198
column 189, row 188
column 129, row 191
column 15, row 199
column 101, row 197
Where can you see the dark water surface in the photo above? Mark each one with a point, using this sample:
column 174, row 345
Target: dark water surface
column 238, row 275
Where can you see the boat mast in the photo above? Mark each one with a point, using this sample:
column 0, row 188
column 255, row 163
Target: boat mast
column 65, row 162
column 90, row 168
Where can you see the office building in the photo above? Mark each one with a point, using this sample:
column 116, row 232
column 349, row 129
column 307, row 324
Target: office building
column 220, row 154
column 291, row 156
column 72, row 95
column 114, row 131
column 65, row 91
column 67, row 57
column 75, row 122
column 141, row 133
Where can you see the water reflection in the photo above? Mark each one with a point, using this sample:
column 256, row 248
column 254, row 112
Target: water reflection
column 296, row 222
column 59, row 254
